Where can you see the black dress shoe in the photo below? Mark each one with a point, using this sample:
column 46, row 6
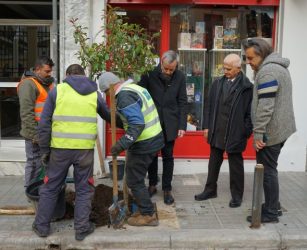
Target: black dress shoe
column 152, row 190
column 168, row 198
column 205, row 196
column 279, row 211
column 264, row 219
column 235, row 203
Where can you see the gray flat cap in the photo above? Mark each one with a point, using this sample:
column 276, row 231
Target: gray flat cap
column 106, row 79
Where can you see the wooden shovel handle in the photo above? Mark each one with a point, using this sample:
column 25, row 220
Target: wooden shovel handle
column 101, row 160
column 113, row 133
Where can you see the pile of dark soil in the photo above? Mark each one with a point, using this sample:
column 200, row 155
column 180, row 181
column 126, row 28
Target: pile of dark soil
column 103, row 199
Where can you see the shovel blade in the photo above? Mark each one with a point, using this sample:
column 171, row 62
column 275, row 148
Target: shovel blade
column 117, row 213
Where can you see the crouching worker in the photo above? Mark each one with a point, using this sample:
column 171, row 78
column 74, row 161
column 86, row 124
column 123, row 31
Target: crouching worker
column 143, row 138
column 67, row 132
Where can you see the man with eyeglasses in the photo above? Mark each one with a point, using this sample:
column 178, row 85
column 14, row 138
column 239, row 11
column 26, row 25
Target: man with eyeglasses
column 227, row 128
column 273, row 117
column 167, row 86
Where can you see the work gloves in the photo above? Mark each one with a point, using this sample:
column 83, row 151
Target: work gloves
column 45, row 159
column 116, row 149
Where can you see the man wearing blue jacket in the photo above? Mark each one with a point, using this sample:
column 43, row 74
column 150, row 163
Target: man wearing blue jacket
column 67, row 132
column 143, row 138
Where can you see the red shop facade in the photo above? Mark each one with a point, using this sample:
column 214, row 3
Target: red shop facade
column 203, row 32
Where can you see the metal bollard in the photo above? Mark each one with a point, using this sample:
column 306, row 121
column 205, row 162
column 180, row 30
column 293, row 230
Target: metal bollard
column 257, row 196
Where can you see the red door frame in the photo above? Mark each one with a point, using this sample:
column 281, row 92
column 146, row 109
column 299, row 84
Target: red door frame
column 164, row 41
column 199, row 2
column 193, row 144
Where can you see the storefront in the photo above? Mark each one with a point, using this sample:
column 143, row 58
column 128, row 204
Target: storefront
column 30, row 30
column 203, row 32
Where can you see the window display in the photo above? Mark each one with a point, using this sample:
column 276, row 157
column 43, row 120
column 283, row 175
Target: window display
column 192, row 64
column 216, row 31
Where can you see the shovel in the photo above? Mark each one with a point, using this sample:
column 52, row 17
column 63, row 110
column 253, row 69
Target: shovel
column 117, row 210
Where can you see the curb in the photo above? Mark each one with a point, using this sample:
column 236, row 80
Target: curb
column 147, row 239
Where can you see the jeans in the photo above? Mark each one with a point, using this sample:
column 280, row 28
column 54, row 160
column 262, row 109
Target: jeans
column 33, row 163
column 268, row 157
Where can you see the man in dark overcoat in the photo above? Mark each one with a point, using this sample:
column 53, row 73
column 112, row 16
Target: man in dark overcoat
column 227, row 127
column 167, row 86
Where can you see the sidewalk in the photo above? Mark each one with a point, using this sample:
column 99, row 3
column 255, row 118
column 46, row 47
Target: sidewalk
column 188, row 224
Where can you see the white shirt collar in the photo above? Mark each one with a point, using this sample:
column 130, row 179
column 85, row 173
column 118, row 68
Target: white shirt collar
column 232, row 80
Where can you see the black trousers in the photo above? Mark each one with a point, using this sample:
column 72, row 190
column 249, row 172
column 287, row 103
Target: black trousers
column 168, row 167
column 236, row 172
column 136, row 169
column 268, row 157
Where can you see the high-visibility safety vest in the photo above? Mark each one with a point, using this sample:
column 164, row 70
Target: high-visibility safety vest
column 74, row 120
column 150, row 113
column 41, row 98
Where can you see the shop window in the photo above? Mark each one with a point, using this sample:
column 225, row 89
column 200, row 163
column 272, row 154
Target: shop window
column 9, row 113
column 203, row 36
column 150, row 20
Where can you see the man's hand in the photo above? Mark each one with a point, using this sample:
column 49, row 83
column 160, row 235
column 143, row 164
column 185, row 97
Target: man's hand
column 206, row 131
column 259, row 144
column 116, row 150
column 45, row 159
column 181, row 133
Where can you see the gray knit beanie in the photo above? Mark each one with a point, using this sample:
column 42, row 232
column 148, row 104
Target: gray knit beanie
column 106, row 79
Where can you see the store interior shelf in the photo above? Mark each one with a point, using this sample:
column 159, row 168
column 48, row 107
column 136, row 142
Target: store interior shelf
column 192, row 49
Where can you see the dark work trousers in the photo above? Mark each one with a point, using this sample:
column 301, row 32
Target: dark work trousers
column 236, row 172
column 268, row 157
column 33, row 164
column 136, row 169
column 168, row 167
column 56, row 172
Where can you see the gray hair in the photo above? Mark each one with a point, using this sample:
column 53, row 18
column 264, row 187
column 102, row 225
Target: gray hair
column 169, row 56
column 261, row 47
column 233, row 59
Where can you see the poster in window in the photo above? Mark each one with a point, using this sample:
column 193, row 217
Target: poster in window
column 190, row 92
column 197, row 40
column 200, row 27
column 184, row 40
column 231, row 22
column 230, row 39
column 218, row 31
column 218, row 43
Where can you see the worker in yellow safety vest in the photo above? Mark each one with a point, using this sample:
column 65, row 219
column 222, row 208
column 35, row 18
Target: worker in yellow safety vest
column 68, row 131
column 143, row 138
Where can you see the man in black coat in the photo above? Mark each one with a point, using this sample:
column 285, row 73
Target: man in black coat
column 167, row 86
column 227, row 127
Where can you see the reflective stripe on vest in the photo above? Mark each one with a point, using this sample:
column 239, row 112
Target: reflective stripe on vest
column 41, row 98
column 149, row 111
column 74, row 121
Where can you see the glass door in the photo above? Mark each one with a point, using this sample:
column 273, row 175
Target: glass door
column 20, row 45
